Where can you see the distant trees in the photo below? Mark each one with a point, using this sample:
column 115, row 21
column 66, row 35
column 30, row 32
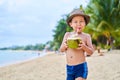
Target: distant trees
column 27, row 47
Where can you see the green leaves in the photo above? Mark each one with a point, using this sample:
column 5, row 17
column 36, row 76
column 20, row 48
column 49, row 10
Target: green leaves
column 59, row 32
column 105, row 15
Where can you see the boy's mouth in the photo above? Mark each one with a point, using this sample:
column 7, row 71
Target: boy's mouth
column 78, row 29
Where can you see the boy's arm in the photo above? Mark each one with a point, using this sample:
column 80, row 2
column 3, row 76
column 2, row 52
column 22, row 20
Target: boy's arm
column 88, row 48
column 64, row 46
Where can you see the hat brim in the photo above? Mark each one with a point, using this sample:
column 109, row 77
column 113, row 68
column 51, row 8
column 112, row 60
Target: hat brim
column 86, row 17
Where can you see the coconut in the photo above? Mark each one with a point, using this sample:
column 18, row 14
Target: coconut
column 73, row 42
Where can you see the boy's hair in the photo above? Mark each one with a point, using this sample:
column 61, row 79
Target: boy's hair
column 78, row 12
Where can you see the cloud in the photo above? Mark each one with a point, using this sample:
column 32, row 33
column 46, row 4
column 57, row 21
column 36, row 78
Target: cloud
column 1, row 2
column 66, row 1
column 21, row 2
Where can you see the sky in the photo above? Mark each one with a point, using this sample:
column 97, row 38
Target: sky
column 30, row 22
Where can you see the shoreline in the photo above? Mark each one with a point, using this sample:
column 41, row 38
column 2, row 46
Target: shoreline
column 40, row 54
column 17, row 62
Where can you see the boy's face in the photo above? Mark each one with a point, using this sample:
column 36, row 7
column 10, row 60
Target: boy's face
column 78, row 23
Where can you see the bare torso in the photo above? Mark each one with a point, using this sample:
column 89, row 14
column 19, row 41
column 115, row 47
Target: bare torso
column 76, row 56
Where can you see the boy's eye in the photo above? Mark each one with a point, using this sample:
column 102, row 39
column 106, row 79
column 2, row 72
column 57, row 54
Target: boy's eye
column 75, row 22
column 79, row 21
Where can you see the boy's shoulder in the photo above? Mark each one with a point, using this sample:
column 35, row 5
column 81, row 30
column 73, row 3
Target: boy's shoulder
column 67, row 34
column 86, row 34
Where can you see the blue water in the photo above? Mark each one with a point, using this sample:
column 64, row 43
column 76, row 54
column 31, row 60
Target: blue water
column 10, row 57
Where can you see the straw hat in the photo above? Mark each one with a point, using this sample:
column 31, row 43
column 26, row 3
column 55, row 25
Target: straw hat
column 77, row 12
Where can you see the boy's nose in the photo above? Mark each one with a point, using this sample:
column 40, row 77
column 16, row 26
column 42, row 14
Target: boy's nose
column 79, row 23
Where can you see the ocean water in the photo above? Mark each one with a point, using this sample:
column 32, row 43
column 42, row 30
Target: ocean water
column 10, row 57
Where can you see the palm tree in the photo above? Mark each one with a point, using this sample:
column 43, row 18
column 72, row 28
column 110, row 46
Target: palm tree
column 59, row 32
column 105, row 23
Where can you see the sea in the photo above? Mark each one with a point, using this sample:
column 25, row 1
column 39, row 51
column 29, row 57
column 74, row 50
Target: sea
column 8, row 57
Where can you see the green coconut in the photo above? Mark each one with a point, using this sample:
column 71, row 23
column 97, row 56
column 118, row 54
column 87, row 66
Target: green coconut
column 73, row 42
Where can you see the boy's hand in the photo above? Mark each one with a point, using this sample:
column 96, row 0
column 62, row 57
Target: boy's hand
column 81, row 45
column 65, row 44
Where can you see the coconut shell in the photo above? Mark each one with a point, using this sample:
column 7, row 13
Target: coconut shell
column 73, row 42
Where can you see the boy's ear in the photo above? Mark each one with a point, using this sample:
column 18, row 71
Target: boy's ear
column 70, row 24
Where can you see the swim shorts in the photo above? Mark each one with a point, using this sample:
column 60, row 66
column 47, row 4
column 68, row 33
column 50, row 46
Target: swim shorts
column 75, row 71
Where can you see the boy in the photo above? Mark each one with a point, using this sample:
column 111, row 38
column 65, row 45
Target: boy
column 76, row 62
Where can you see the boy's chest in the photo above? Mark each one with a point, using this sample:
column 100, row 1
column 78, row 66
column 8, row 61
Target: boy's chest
column 83, row 38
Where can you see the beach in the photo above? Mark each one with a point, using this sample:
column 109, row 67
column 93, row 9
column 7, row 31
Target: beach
column 52, row 67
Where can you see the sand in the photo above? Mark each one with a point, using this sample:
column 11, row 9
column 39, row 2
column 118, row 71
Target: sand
column 52, row 67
